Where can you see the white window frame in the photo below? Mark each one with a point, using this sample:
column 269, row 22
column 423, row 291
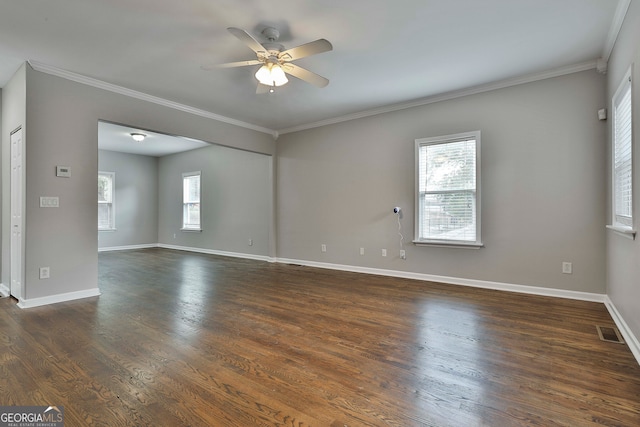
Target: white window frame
column 185, row 225
column 112, row 216
column 622, row 163
column 445, row 139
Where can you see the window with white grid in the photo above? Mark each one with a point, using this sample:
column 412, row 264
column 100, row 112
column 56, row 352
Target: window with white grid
column 448, row 190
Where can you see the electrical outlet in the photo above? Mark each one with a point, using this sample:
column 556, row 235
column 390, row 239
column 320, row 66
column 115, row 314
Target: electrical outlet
column 323, row 247
column 250, row 242
column 403, row 254
column 384, row 252
column 567, row 268
column 45, row 273
column 361, row 251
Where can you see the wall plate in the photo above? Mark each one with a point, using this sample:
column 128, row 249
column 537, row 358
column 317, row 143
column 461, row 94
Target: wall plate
column 63, row 171
column 49, row 202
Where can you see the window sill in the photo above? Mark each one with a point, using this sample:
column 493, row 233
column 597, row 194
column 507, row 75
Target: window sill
column 107, row 229
column 452, row 244
column 192, row 230
column 629, row 233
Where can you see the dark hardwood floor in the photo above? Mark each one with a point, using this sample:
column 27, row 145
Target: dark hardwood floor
column 184, row 339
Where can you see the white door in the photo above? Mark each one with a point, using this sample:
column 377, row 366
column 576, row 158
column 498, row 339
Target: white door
column 16, row 213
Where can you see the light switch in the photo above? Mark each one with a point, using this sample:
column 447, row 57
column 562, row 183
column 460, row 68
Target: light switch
column 63, row 171
column 49, row 202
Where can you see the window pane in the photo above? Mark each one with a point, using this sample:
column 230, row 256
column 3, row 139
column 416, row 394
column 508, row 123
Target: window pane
column 105, row 190
column 192, row 214
column 104, row 215
column 449, row 216
column 191, row 189
column 450, row 166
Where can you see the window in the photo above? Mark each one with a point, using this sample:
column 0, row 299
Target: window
column 106, row 209
column 448, row 190
column 191, row 201
column 622, row 156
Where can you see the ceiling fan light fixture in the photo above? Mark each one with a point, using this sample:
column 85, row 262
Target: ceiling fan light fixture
column 264, row 75
column 271, row 75
column 138, row 137
column 278, row 76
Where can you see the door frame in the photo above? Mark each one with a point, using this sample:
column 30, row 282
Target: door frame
column 17, row 213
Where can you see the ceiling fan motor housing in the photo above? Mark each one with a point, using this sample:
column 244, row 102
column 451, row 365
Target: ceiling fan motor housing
column 271, row 34
column 273, row 48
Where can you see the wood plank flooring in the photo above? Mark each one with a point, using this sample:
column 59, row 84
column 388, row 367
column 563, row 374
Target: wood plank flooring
column 184, row 339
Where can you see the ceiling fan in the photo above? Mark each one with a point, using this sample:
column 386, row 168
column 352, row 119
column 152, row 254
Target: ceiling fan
column 275, row 61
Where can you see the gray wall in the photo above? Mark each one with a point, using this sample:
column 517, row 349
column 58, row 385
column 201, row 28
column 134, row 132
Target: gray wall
column 236, row 199
column 623, row 254
column 14, row 100
column 136, row 199
column 62, row 129
column 543, row 186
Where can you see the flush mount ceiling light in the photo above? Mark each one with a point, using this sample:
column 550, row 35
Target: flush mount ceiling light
column 138, row 137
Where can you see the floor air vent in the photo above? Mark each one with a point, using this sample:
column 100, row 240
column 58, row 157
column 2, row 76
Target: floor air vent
column 609, row 334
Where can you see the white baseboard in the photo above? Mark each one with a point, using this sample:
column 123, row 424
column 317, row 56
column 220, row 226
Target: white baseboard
column 217, row 252
column 524, row 289
column 128, row 247
column 4, row 291
column 54, row 299
column 627, row 334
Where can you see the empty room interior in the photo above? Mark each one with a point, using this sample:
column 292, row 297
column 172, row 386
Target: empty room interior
column 321, row 213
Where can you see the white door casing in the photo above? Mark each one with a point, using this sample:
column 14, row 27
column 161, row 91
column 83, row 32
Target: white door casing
column 17, row 167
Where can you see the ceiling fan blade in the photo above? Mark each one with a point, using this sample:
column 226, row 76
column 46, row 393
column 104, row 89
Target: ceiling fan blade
column 305, row 75
column 231, row 65
column 247, row 39
column 308, row 49
column 262, row 89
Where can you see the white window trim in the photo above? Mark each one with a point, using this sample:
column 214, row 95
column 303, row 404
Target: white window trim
column 442, row 242
column 113, row 201
column 626, row 230
column 186, row 175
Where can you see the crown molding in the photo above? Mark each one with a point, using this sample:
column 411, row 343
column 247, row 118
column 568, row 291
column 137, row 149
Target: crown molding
column 38, row 66
column 78, row 78
column 614, row 29
column 570, row 69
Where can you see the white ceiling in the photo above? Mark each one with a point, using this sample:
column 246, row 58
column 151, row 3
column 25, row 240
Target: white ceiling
column 385, row 52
